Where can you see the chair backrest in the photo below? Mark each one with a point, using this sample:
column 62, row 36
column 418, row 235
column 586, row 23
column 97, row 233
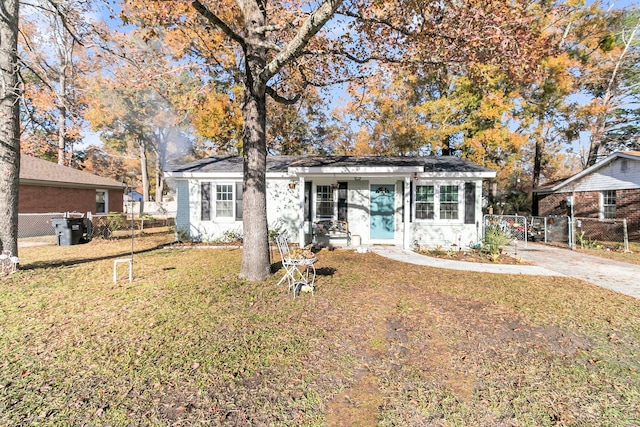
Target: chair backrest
column 283, row 245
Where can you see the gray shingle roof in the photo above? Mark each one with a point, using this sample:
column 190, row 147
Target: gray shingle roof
column 282, row 163
column 38, row 171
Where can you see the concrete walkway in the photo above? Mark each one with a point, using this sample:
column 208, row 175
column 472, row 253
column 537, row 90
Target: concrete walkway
column 549, row 261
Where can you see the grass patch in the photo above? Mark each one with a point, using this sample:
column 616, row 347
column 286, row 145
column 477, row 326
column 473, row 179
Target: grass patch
column 381, row 342
column 617, row 254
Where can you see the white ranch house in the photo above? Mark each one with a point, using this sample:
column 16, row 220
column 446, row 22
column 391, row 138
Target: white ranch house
column 433, row 201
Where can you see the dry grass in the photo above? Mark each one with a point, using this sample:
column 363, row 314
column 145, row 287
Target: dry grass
column 632, row 256
column 187, row 343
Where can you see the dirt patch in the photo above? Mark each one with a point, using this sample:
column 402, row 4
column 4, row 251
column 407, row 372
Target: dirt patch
column 357, row 406
column 473, row 256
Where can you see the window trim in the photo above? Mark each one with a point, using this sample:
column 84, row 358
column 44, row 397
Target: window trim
column 437, row 185
column 449, row 203
column 213, row 201
column 416, row 202
column 334, row 202
column 230, row 201
column 603, row 205
column 106, row 201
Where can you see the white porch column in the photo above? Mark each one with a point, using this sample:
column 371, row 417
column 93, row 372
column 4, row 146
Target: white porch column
column 302, row 218
column 407, row 212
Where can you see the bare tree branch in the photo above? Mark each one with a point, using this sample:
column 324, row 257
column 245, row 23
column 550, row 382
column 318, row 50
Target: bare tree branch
column 281, row 99
column 389, row 24
column 65, row 22
column 211, row 17
column 314, row 22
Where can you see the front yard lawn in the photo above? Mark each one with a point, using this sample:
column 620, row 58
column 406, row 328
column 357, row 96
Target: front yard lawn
column 381, row 343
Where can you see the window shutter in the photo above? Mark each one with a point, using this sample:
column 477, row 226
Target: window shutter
column 342, row 201
column 469, row 202
column 307, row 200
column 410, row 203
column 205, row 201
column 239, row 201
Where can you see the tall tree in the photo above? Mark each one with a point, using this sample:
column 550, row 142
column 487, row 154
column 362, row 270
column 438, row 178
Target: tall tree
column 281, row 49
column 9, row 126
column 141, row 103
column 612, row 79
column 546, row 110
column 55, row 50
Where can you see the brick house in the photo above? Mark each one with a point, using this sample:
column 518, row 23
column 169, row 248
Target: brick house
column 610, row 189
column 49, row 187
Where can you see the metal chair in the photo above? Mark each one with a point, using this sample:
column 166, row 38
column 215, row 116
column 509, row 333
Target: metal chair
column 8, row 263
column 300, row 273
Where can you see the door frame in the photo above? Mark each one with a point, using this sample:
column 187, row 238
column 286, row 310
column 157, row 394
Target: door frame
column 391, row 239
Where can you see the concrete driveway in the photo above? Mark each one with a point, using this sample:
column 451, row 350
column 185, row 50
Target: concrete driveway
column 549, row 261
column 617, row 276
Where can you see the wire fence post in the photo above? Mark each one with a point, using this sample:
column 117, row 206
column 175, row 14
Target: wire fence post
column 626, row 236
column 572, row 243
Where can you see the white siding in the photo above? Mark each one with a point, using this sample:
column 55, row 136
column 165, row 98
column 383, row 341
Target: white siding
column 620, row 174
column 182, row 212
column 188, row 220
column 358, row 208
column 451, row 234
column 283, row 205
column 284, row 210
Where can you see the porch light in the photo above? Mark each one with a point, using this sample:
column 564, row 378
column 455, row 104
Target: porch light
column 292, row 184
column 334, row 186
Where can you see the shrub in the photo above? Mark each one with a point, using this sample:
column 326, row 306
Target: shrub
column 274, row 230
column 494, row 238
column 232, row 236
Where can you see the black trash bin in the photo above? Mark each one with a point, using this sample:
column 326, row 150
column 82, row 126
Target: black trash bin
column 69, row 231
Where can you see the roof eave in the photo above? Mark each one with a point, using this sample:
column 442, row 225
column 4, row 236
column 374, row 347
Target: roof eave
column 587, row 171
column 45, row 183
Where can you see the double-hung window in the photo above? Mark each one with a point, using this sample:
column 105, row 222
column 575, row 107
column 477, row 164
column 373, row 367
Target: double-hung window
column 324, row 201
column 448, row 202
column 609, row 204
column 437, row 202
column 101, row 202
column 224, row 201
column 425, row 202
column 217, row 201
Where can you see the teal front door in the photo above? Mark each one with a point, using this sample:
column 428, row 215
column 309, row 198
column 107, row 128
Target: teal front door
column 382, row 211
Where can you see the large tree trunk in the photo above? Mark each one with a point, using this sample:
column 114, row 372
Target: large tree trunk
column 9, row 126
column 538, row 153
column 256, row 262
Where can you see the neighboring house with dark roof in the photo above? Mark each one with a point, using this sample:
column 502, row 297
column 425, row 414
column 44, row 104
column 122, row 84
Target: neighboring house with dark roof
column 49, row 187
column 433, row 201
column 610, row 189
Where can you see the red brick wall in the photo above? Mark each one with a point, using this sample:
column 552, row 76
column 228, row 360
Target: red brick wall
column 552, row 204
column 587, row 205
column 628, row 206
column 42, row 199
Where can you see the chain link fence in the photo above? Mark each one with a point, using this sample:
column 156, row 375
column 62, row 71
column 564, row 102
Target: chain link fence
column 513, row 226
column 561, row 230
column 34, row 226
column 39, row 224
column 595, row 233
column 118, row 225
